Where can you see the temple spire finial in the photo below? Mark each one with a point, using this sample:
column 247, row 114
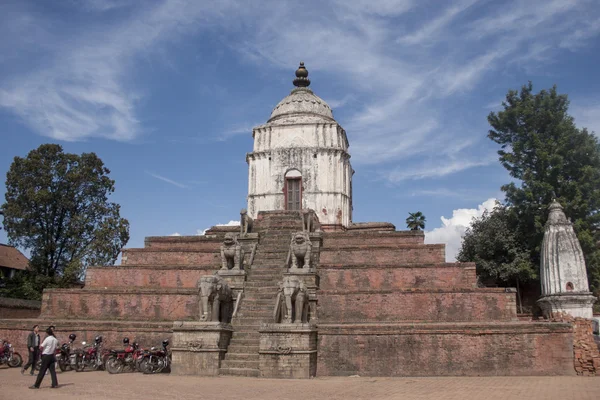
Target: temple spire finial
column 301, row 76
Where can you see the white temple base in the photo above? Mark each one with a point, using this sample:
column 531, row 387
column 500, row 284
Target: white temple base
column 574, row 304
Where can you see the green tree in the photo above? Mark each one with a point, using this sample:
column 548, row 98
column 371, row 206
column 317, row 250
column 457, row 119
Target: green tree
column 497, row 250
column 57, row 207
column 415, row 221
column 552, row 158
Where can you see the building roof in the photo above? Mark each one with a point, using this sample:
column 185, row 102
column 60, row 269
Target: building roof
column 11, row 257
column 302, row 100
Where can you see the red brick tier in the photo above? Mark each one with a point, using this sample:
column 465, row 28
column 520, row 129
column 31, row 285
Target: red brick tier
column 418, row 276
column 430, row 305
column 448, row 349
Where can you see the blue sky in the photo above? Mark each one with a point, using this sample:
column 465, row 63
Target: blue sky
column 167, row 92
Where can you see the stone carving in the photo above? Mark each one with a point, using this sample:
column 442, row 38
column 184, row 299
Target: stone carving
column 281, row 349
column 194, row 345
column 216, row 301
column 291, row 304
column 299, row 255
column 310, row 221
column 245, row 222
column 232, row 254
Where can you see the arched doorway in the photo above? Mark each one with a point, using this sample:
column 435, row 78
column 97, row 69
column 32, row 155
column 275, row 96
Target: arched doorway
column 293, row 190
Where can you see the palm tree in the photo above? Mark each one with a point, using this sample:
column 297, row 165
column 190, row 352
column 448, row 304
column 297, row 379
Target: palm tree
column 415, row 221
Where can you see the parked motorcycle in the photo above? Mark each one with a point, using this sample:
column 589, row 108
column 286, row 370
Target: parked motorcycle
column 156, row 360
column 128, row 359
column 64, row 358
column 8, row 356
column 90, row 356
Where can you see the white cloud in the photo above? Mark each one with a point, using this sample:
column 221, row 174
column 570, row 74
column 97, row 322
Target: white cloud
column 401, row 87
column 430, row 30
column 453, row 228
column 587, row 116
column 435, row 169
column 83, row 90
column 202, row 232
column 175, row 234
column 164, row 179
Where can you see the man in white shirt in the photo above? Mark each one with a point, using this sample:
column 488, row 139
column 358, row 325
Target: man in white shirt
column 49, row 346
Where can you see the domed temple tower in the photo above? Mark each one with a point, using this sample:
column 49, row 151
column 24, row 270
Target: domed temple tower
column 300, row 160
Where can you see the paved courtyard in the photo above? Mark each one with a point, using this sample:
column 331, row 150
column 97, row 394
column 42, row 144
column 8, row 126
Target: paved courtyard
column 101, row 385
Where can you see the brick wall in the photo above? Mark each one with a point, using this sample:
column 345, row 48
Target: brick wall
column 170, row 257
column 373, row 277
column 445, row 350
column 200, row 243
column 334, row 240
column 150, row 277
column 416, row 305
column 112, row 304
column 385, row 255
column 17, row 308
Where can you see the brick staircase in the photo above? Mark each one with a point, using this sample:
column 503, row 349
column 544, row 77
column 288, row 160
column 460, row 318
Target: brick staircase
column 261, row 286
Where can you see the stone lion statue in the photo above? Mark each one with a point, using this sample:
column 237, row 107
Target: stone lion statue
column 245, row 222
column 299, row 255
column 232, row 254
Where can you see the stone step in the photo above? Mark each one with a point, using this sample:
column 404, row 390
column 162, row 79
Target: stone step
column 245, row 341
column 227, row 363
column 242, row 356
column 250, row 320
column 244, row 327
column 246, row 335
column 240, row 348
column 255, row 302
column 265, row 288
column 251, row 297
column 240, row 372
column 256, row 277
column 262, row 285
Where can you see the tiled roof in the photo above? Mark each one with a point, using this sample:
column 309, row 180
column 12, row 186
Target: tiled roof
column 11, row 257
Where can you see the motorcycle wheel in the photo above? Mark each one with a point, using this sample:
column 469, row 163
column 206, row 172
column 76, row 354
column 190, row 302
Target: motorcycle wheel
column 79, row 364
column 15, row 361
column 113, row 366
column 64, row 366
column 146, row 366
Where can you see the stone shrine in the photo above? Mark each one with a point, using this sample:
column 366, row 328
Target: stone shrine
column 563, row 274
column 299, row 289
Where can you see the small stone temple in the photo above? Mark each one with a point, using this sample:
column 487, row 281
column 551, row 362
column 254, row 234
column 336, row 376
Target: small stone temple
column 300, row 290
column 563, row 274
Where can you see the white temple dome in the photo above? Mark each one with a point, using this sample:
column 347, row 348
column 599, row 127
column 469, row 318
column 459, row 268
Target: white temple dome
column 302, row 101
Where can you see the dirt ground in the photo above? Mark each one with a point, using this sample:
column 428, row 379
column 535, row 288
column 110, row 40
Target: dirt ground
column 131, row 386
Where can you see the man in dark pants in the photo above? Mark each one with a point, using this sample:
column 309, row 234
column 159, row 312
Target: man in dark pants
column 33, row 344
column 49, row 346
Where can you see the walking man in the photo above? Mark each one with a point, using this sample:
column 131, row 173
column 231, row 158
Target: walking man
column 33, row 345
column 49, row 346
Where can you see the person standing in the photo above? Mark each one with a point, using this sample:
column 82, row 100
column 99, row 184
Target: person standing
column 33, row 345
column 49, row 346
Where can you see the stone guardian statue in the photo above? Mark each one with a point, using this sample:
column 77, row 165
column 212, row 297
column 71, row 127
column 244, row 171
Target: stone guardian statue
column 232, row 254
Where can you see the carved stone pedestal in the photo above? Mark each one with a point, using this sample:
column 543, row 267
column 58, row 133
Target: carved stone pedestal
column 288, row 351
column 235, row 278
column 199, row 347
